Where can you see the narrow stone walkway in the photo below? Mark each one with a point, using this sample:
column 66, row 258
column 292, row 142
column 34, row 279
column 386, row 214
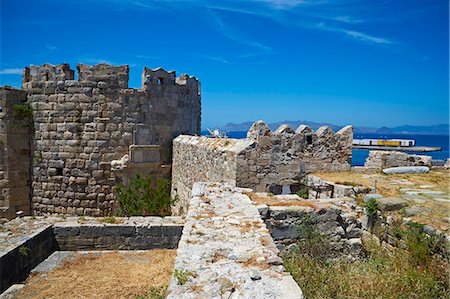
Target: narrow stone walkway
column 226, row 250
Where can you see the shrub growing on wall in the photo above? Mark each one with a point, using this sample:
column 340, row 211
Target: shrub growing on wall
column 143, row 196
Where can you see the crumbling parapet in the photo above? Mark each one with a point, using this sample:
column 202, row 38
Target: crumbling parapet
column 262, row 160
column 386, row 159
column 284, row 156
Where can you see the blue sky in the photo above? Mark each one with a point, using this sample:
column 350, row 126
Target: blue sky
column 367, row 63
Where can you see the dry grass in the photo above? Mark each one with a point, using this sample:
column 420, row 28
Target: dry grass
column 109, row 275
column 438, row 179
column 273, row 201
column 385, row 274
column 388, row 186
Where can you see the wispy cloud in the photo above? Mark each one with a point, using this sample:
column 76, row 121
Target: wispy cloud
column 237, row 36
column 51, row 47
column 213, row 58
column 367, row 37
column 347, row 19
column 287, row 4
column 357, row 35
column 91, row 60
column 14, row 71
column 147, row 57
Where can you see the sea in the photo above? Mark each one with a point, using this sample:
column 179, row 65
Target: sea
column 360, row 155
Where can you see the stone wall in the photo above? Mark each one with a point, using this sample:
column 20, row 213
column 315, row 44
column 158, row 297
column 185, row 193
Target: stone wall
column 341, row 230
column 386, row 159
column 226, row 250
column 202, row 159
column 15, row 153
column 83, row 125
column 261, row 161
column 283, row 157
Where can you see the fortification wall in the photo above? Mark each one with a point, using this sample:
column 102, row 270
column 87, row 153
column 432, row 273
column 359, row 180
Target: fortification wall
column 83, row 125
column 284, row 156
column 263, row 161
column 227, row 250
column 202, row 159
column 15, row 153
column 386, row 159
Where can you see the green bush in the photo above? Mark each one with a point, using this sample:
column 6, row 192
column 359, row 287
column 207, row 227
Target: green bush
column 143, row 196
column 371, row 207
column 303, row 192
column 22, row 111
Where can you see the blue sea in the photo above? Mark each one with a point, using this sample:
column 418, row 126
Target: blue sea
column 359, row 156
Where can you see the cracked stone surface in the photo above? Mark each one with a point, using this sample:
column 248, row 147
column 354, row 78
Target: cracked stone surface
column 226, row 251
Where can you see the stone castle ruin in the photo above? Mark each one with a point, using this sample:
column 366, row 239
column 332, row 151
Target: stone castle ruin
column 85, row 136
column 265, row 161
column 66, row 143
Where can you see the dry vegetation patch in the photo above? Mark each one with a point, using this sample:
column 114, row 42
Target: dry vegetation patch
column 436, row 210
column 271, row 200
column 385, row 273
column 109, row 275
column 387, row 184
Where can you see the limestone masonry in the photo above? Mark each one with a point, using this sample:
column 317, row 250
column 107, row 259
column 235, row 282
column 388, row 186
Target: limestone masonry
column 226, row 250
column 385, row 159
column 15, row 154
column 264, row 161
column 95, row 132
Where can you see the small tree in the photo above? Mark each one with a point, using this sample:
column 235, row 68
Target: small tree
column 371, row 207
column 141, row 196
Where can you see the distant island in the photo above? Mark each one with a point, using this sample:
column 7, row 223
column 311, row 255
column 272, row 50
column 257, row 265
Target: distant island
column 439, row 129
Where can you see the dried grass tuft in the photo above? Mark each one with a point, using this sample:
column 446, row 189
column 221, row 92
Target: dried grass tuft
column 109, row 275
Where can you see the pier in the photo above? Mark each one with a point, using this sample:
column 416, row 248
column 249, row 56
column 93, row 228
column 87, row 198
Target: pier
column 399, row 148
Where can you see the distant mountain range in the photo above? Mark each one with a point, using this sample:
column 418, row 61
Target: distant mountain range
column 440, row 129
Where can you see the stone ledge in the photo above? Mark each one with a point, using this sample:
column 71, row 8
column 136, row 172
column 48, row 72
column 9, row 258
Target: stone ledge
column 227, row 250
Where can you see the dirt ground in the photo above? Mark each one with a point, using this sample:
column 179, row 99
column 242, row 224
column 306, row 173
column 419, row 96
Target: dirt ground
column 276, row 200
column 427, row 193
column 109, row 275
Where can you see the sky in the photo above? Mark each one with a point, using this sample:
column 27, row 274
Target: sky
column 361, row 62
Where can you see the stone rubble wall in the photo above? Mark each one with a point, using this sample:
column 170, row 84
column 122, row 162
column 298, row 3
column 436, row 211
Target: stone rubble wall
column 386, row 159
column 202, row 159
column 339, row 190
column 342, row 230
column 83, row 125
column 226, row 250
column 15, row 155
column 262, row 160
column 283, row 157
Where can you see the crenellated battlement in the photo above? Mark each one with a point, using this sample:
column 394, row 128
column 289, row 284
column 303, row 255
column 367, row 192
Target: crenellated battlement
column 265, row 161
column 60, row 79
column 105, row 75
column 152, row 79
column 83, row 125
column 260, row 129
column 47, row 72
